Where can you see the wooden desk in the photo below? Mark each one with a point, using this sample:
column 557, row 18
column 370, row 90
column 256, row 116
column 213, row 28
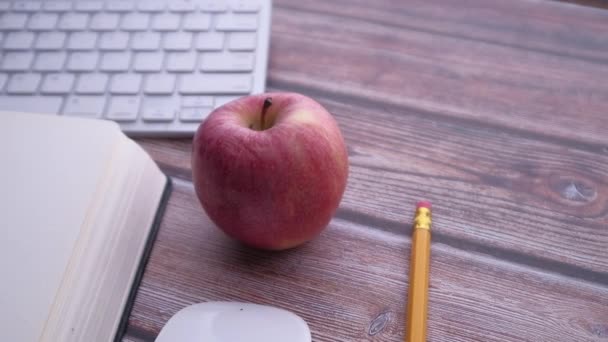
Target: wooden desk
column 496, row 111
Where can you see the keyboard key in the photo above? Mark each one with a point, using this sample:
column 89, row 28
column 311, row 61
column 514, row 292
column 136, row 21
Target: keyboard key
column 1, row 38
column 135, row 22
column 4, row 5
column 104, row 21
column 120, row 6
column 18, row 41
column 116, row 61
column 3, row 79
column 237, row 22
column 74, row 21
column 220, row 61
column 194, row 114
column 197, row 22
column 50, row 40
column 183, row 129
column 43, row 21
column 26, row 6
column 92, row 84
column 245, row 6
column 181, row 6
column 160, row 109
column 181, row 61
column 166, row 22
column 145, row 41
column 31, row 104
column 125, row 84
column 89, row 6
column 114, row 41
column 82, row 41
column 222, row 100
column 23, row 84
column 57, row 6
column 178, row 41
column 215, row 84
column 148, row 61
column 151, row 6
column 242, row 41
column 83, row 61
column 57, row 84
column 13, row 21
column 197, row 101
column 214, row 6
column 17, row 61
column 160, row 84
column 123, row 108
column 210, row 41
column 50, row 61
column 85, row 106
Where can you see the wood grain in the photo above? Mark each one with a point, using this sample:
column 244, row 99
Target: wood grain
column 547, row 27
column 490, row 186
column 590, row 3
column 495, row 111
column 428, row 67
column 350, row 284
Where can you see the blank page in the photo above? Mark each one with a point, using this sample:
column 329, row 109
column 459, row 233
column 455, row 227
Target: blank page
column 50, row 170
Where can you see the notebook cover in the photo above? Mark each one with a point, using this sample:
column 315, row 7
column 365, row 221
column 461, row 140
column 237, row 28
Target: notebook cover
column 124, row 320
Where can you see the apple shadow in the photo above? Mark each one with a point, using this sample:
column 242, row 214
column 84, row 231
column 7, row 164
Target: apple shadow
column 245, row 255
column 259, row 263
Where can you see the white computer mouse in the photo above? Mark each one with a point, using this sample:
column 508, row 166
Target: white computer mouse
column 234, row 322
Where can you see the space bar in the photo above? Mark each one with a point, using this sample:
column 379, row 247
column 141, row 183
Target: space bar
column 31, row 104
column 216, row 84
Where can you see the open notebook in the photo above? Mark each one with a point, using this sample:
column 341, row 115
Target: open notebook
column 79, row 207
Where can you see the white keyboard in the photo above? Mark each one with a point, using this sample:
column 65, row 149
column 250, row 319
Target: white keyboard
column 157, row 67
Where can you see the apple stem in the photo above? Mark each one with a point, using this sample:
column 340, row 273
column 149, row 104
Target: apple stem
column 267, row 104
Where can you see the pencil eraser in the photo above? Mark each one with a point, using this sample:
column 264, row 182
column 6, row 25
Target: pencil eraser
column 424, row 204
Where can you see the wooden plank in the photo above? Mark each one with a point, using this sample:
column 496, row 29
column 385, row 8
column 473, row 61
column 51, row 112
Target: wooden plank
column 350, row 284
column 492, row 187
column 549, row 27
column 497, row 188
column 361, row 50
column 590, row 3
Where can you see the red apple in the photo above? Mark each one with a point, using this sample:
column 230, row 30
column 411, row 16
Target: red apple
column 270, row 169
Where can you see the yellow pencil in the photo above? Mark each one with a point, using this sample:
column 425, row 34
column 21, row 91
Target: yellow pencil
column 419, row 275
